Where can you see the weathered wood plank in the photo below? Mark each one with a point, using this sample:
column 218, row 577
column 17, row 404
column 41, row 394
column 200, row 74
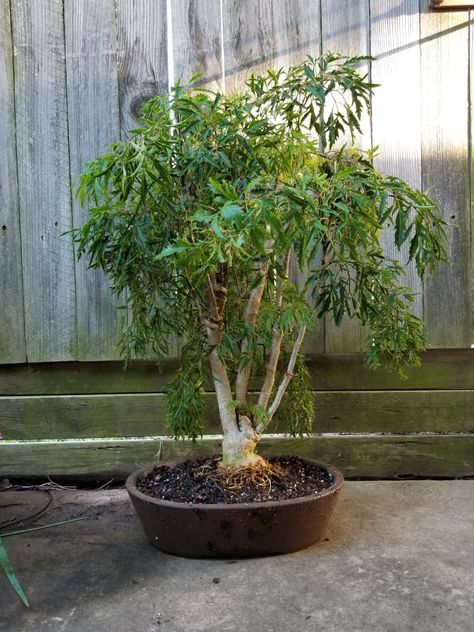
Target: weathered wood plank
column 345, row 30
column 471, row 166
column 445, row 169
column 396, row 124
column 269, row 34
column 92, row 85
column 12, row 334
column 137, row 415
column 266, row 34
column 83, row 377
column 44, row 182
column 372, row 456
column 142, row 55
column 197, row 42
column 440, row 369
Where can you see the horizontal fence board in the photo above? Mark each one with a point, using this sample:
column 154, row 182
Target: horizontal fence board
column 371, row 456
column 440, row 369
column 64, row 417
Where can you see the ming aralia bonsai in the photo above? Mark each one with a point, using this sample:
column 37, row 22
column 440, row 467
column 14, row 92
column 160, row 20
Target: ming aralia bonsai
column 198, row 218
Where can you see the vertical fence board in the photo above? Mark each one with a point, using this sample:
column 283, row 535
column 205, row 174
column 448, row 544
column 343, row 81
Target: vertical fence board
column 91, row 61
column 266, row 34
column 263, row 35
column 471, row 165
column 396, row 123
column 116, row 58
column 197, row 42
column 445, row 169
column 345, row 30
column 44, row 182
column 12, row 333
column 249, row 44
column 142, row 60
column 142, row 54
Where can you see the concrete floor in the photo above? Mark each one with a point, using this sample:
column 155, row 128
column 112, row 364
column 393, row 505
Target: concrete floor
column 399, row 556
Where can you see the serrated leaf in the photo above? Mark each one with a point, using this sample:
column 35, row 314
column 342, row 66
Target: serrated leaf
column 233, row 214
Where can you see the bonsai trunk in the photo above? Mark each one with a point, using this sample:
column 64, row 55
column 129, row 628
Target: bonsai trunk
column 240, row 438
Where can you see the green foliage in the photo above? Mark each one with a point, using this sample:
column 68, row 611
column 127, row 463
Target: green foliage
column 10, row 573
column 297, row 407
column 211, row 187
column 186, row 407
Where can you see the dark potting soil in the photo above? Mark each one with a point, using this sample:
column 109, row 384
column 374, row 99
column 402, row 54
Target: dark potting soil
column 199, row 481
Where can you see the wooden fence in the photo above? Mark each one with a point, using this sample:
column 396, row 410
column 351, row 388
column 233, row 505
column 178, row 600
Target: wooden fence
column 73, row 74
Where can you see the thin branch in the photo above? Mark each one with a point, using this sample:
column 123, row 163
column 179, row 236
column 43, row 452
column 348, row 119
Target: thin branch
column 275, row 350
column 286, row 378
column 212, row 297
column 250, row 318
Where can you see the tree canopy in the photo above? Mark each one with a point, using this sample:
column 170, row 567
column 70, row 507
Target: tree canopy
column 197, row 215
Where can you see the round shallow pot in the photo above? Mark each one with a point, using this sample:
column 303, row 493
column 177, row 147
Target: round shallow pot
column 235, row 530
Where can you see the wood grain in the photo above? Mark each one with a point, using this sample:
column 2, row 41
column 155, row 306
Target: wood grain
column 141, row 415
column 267, row 34
column 92, row 84
column 142, row 55
column 445, row 170
column 116, row 51
column 471, row 160
column 44, row 180
column 197, row 42
column 345, row 30
column 12, row 333
column 396, row 123
column 440, row 369
column 374, row 456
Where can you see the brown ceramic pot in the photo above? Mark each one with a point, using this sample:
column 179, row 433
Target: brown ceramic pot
column 235, row 530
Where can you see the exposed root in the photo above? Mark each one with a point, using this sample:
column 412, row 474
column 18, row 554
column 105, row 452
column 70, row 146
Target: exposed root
column 259, row 475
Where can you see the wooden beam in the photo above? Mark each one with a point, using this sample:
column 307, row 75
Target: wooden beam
column 440, row 369
column 86, row 416
column 451, row 5
column 370, row 456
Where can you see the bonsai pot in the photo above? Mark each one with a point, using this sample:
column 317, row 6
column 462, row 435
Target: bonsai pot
column 238, row 529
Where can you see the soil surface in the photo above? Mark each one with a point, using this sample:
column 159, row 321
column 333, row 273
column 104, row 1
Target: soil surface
column 200, row 481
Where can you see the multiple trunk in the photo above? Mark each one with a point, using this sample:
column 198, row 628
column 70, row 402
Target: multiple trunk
column 240, row 434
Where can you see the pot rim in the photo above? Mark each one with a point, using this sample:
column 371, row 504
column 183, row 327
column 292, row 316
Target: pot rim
column 133, row 490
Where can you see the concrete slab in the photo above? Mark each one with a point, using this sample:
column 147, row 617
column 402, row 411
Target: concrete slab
column 399, row 557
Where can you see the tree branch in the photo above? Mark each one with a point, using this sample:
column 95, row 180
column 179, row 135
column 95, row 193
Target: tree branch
column 250, row 318
column 272, row 363
column 212, row 298
column 215, row 331
column 223, row 389
column 286, row 378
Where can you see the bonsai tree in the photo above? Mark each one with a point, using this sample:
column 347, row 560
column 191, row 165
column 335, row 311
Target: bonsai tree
column 199, row 217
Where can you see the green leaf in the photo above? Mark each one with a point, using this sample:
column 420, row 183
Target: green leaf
column 10, row 573
column 233, row 214
column 171, row 250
